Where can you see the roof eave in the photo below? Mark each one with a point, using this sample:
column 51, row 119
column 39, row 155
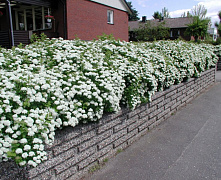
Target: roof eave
column 129, row 10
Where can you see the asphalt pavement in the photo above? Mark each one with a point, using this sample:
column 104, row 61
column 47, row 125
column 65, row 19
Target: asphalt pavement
column 187, row 146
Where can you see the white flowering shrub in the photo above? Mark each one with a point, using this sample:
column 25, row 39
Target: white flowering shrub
column 56, row 83
column 217, row 50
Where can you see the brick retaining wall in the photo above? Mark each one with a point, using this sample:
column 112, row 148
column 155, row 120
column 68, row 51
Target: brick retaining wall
column 78, row 149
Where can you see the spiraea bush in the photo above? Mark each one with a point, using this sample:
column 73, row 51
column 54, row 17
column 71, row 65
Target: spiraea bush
column 55, row 83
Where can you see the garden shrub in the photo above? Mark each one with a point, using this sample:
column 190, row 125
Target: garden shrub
column 54, row 83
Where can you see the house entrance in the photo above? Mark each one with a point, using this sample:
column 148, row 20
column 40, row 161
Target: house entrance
column 19, row 20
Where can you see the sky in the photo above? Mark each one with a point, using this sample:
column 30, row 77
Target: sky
column 176, row 7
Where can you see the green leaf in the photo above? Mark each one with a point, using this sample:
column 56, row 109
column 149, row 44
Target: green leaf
column 11, row 154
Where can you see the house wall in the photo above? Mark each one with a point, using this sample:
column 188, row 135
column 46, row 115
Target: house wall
column 59, row 19
column 87, row 20
column 3, row 21
column 182, row 34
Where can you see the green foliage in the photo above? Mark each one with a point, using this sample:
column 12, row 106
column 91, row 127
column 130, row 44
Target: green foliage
column 148, row 32
column 94, row 168
column 134, row 15
column 157, row 15
column 97, row 166
column 56, row 83
column 119, row 151
column 219, row 14
column 21, row 45
column 218, row 41
column 105, row 160
column 163, row 14
column 199, row 11
column 208, row 40
column 186, row 14
column 36, row 38
column 197, row 28
column 106, row 37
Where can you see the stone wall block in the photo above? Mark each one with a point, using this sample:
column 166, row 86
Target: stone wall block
column 109, row 125
column 67, row 173
column 85, row 154
column 125, row 138
column 100, row 137
column 112, row 138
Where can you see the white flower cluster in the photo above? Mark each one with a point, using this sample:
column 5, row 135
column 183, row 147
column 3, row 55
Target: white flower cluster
column 56, row 83
column 217, row 50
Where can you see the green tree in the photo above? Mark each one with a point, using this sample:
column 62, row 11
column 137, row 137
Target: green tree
column 199, row 11
column 157, row 15
column 160, row 15
column 134, row 15
column 200, row 23
column 165, row 13
column 198, row 28
column 186, row 14
column 149, row 32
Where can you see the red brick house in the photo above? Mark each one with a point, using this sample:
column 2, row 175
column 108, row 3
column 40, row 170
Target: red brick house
column 85, row 19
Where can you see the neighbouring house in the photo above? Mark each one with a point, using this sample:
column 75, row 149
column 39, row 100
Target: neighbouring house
column 85, row 19
column 213, row 33
column 177, row 26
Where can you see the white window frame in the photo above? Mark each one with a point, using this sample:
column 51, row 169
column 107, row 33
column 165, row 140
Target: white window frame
column 110, row 16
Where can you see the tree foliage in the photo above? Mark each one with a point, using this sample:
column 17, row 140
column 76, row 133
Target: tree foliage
column 148, row 32
column 134, row 15
column 165, row 13
column 219, row 16
column 186, row 14
column 199, row 11
column 199, row 26
column 157, row 15
column 160, row 15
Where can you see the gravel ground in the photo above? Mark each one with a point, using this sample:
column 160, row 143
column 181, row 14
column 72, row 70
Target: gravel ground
column 11, row 171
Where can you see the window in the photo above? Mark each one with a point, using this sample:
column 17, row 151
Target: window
column 110, row 17
column 31, row 18
column 175, row 33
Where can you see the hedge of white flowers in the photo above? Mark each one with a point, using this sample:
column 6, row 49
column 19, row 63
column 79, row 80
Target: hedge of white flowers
column 47, row 85
column 218, row 50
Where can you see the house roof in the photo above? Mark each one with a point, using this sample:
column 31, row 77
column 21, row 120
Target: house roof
column 45, row 3
column 118, row 4
column 129, row 10
column 181, row 22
